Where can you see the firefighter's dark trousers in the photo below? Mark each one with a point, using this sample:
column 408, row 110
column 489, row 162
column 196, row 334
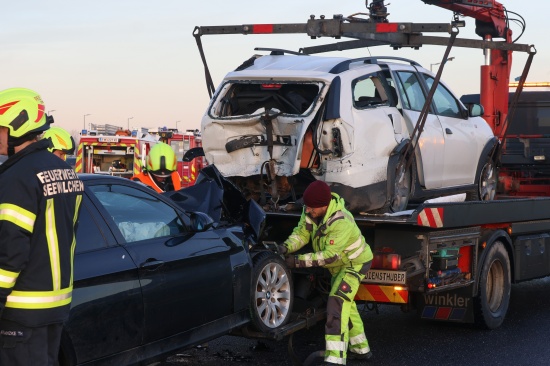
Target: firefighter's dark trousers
column 24, row 346
column 344, row 325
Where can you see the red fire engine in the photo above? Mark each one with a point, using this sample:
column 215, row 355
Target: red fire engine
column 112, row 154
column 180, row 143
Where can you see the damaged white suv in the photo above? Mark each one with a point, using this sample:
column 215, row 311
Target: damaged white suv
column 280, row 121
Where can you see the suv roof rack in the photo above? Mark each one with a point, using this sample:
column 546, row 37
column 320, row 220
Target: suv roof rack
column 344, row 65
column 278, row 51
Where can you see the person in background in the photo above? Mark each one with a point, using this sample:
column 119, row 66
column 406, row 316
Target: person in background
column 96, row 167
column 40, row 200
column 338, row 246
column 62, row 143
column 161, row 172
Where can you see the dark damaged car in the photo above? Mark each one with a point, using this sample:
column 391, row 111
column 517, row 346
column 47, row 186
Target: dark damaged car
column 154, row 274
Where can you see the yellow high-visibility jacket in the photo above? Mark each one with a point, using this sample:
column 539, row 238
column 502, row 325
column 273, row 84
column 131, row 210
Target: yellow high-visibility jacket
column 337, row 240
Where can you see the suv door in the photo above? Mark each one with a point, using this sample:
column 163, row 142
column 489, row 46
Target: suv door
column 186, row 277
column 461, row 150
column 431, row 142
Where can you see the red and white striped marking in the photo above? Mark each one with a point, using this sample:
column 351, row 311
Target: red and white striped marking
column 431, row 217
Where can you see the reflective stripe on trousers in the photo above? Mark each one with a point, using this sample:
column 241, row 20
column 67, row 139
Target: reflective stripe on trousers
column 344, row 324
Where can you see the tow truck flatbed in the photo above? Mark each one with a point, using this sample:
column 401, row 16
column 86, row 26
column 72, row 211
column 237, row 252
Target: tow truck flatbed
column 456, row 214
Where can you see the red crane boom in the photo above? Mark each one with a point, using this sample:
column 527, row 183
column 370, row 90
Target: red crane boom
column 491, row 22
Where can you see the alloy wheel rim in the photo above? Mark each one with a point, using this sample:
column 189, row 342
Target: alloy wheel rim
column 273, row 295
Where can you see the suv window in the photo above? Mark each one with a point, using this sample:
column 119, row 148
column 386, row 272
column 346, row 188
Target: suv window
column 368, row 92
column 411, row 92
column 138, row 215
column 445, row 103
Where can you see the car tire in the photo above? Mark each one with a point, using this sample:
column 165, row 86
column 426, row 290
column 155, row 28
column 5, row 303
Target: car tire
column 272, row 294
column 486, row 185
column 493, row 298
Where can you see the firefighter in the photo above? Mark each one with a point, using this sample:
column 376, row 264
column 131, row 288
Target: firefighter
column 61, row 142
column 161, row 172
column 338, row 246
column 40, row 198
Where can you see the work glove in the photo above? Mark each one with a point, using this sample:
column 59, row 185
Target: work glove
column 291, row 261
column 281, row 249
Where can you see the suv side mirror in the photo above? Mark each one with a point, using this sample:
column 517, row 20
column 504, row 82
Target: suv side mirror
column 475, row 110
column 200, row 221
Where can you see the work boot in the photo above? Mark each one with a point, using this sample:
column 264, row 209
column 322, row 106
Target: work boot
column 360, row 356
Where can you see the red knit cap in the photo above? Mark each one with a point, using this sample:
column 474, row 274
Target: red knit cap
column 317, row 194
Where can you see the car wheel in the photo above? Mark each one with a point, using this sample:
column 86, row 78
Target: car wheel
column 401, row 188
column 272, row 292
column 487, row 184
column 491, row 303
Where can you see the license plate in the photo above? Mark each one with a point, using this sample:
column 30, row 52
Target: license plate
column 386, row 277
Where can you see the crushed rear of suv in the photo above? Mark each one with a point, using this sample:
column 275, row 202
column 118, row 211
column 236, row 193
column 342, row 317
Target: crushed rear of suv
column 280, row 121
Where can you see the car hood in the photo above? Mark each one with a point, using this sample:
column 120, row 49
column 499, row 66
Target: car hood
column 221, row 200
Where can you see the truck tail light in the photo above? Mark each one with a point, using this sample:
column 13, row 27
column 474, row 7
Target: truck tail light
column 386, row 259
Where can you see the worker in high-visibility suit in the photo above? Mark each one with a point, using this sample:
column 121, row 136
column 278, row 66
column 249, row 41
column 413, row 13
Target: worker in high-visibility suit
column 40, row 198
column 61, row 142
column 161, row 171
column 338, row 246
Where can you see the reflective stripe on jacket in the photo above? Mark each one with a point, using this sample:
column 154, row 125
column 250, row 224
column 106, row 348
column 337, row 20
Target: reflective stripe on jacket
column 39, row 204
column 337, row 241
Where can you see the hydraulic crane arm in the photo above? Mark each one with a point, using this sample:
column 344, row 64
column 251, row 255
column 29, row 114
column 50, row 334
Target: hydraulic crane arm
column 491, row 22
column 490, row 15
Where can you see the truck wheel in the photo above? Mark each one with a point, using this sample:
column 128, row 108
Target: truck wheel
column 401, row 189
column 271, row 292
column 491, row 303
column 487, row 184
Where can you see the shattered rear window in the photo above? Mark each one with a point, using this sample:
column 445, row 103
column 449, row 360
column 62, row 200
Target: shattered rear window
column 238, row 99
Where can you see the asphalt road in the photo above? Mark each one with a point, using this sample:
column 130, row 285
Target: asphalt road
column 401, row 339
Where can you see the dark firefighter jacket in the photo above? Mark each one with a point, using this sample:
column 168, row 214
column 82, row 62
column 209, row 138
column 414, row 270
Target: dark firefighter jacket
column 40, row 197
column 337, row 240
column 173, row 182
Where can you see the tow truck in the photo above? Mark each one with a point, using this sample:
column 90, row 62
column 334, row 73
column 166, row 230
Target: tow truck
column 449, row 261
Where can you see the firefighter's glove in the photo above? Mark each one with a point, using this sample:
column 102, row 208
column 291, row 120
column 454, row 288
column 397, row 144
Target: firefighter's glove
column 291, row 261
column 281, row 249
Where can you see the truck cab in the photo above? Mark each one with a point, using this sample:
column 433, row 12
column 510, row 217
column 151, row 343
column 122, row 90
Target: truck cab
column 525, row 160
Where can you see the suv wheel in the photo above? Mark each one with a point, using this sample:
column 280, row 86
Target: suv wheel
column 272, row 292
column 487, row 184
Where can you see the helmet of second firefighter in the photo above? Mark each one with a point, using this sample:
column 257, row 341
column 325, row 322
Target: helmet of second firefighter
column 162, row 160
column 60, row 140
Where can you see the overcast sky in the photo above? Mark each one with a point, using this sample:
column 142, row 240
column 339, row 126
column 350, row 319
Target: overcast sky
column 135, row 62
